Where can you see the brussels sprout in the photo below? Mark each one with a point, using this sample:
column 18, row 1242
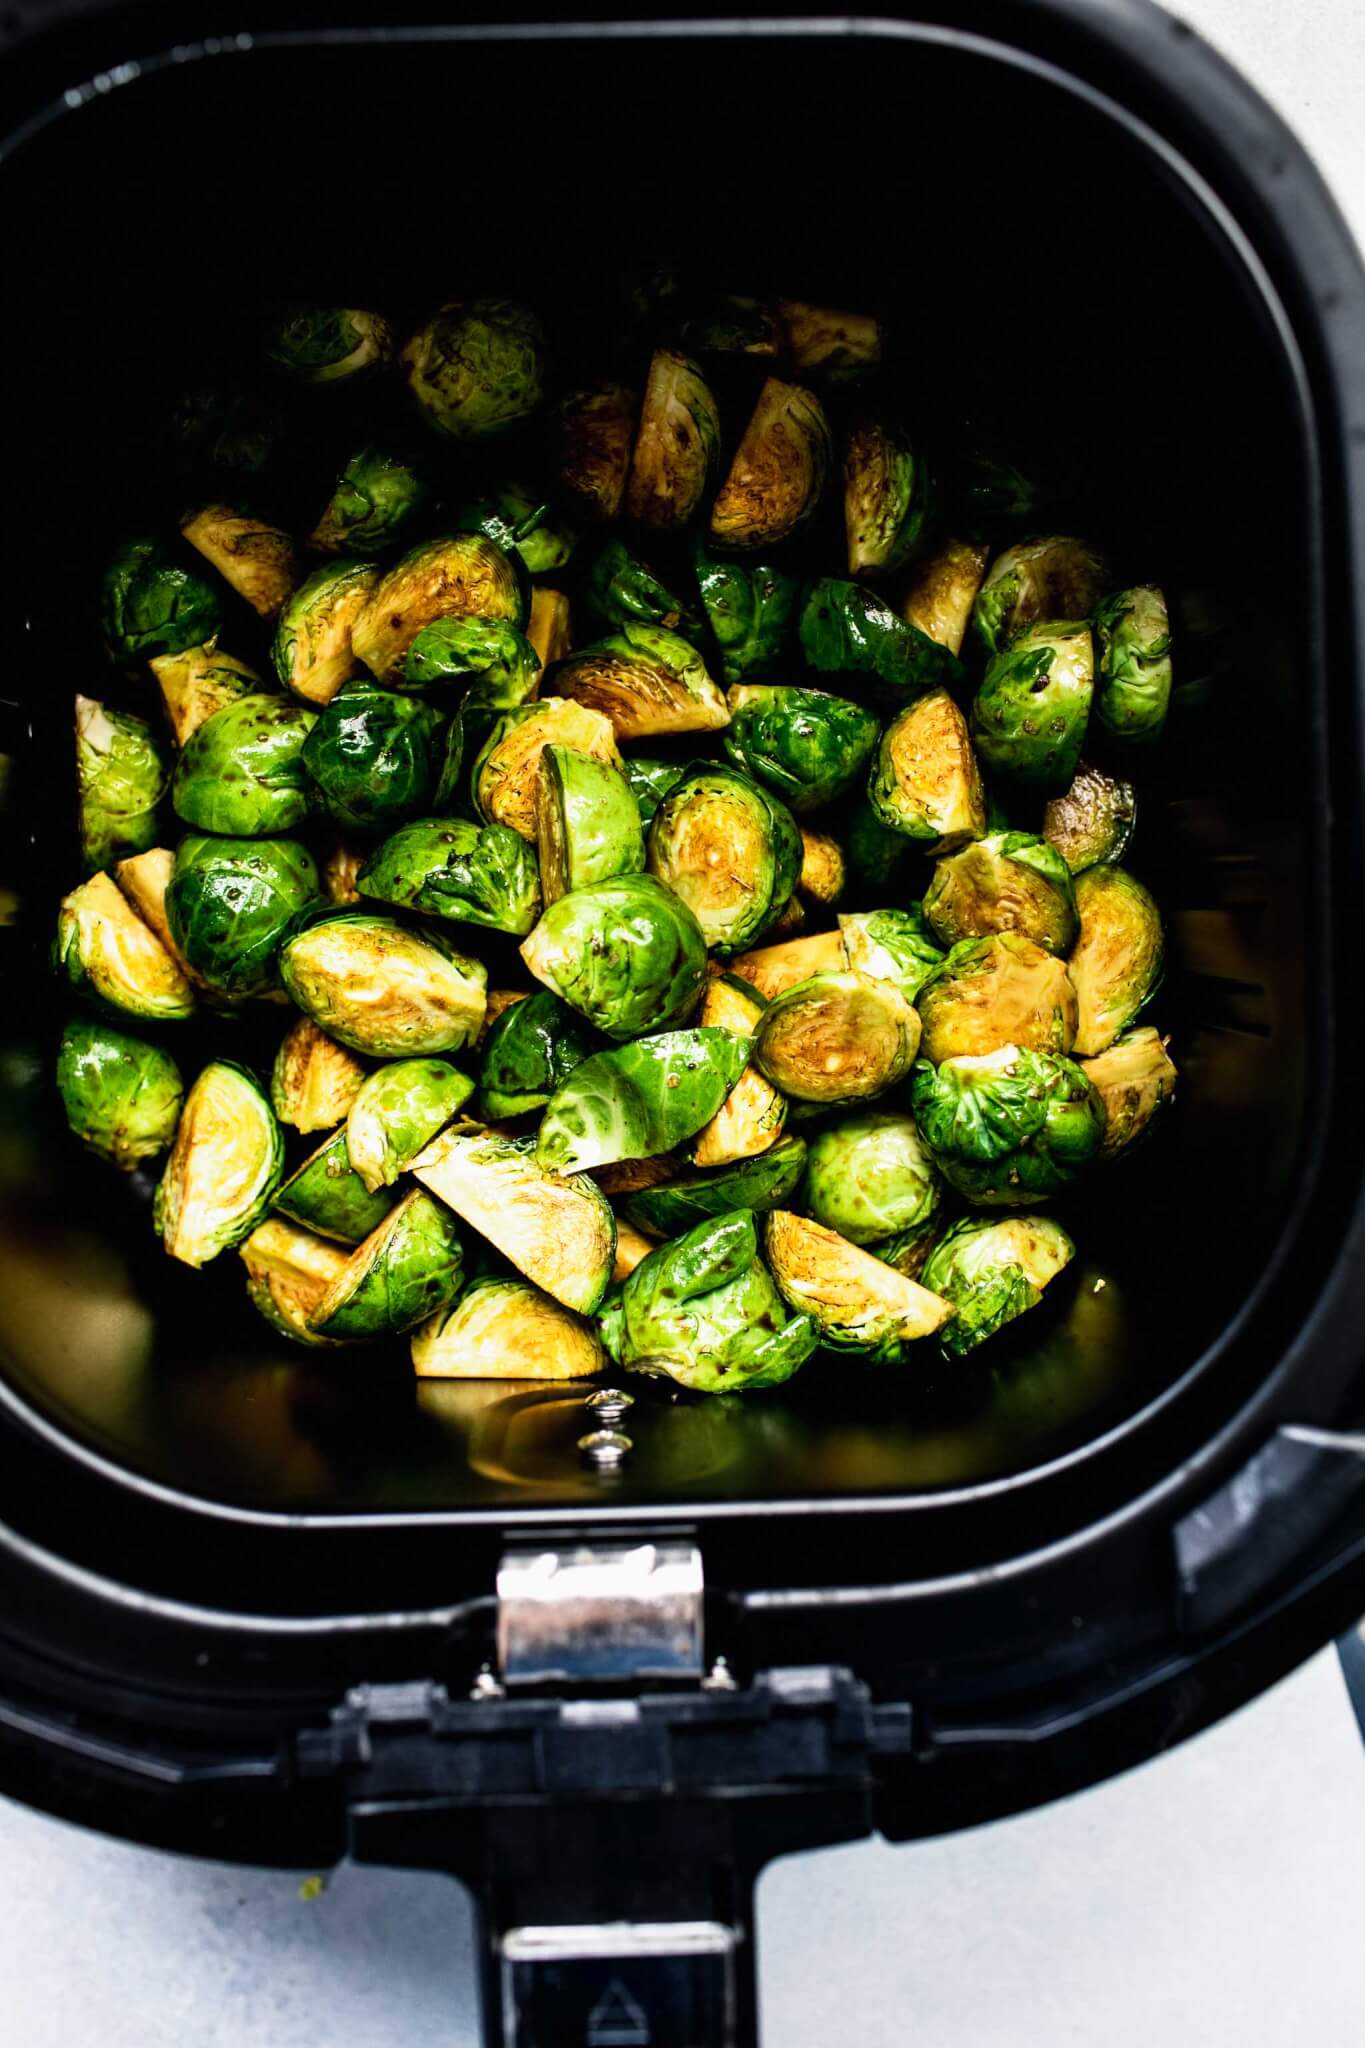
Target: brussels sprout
column 596, row 426
column 943, row 591
column 383, row 989
column 647, row 681
column 734, row 326
column 1008, row 1127
column 651, row 781
column 729, row 850
column 848, row 630
column 505, row 1330
column 529, row 1051
column 837, row 1038
column 560, row 1233
column 1052, row 578
column 151, row 603
column 857, row 1301
column 495, row 660
column 790, row 920
column 396, row 1114
column 749, row 607
column 477, row 367
column 839, row 345
column 257, row 559
column 314, row 1080
column 823, row 873
column 377, row 499
column 779, row 470
column 639, row 1099
column 632, row 1246
column 371, row 755
column 224, row 1167
column 886, row 498
column 1134, row 687
column 1009, row 882
column 522, row 523
column 508, row 765
column 225, row 437
column 1029, row 716
column 906, row 1250
column 199, row 681
column 1092, row 821
column 875, row 853
column 806, row 745
column 770, row 969
column 870, row 1177
column 677, row 444
column 121, row 1096
column 457, row 868
column 1132, row 1079
column 107, row 953
column 287, row 1273
column 144, row 879
column 623, row 591
column 587, row 823
column 703, row 1311
column 121, row 777
column 677, row 1205
column 409, row 1267
column 891, row 945
column 339, row 871
column 460, row 575
column 925, row 782
column 993, row 992
column 230, row 903
column 752, row 1115
column 628, row 954
column 327, row 1195
column 312, row 652
column 547, row 628
column 331, row 344
column 242, row 772
column 992, row 1270
column 1116, row 965
column 988, row 495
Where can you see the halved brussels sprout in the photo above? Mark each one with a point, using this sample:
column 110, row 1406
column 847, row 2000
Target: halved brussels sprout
column 312, row 651
column 824, row 873
column 199, row 681
column 223, row 1169
column 847, row 629
column 751, row 1117
column 857, row 1301
column 628, row 954
column 992, row 1270
column 703, row 1311
column 1092, row 821
column 891, row 945
column 778, row 472
column 381, row 988
column 477, row 367
column 749, row 607
column 806, row 745
column 339, row 871
column 925, row 782
column 241, row 772
column 677, row 444
column 121, row 777
column 731, row 325
column 230, row 903
column 886, row 498
column 331, row 344
column 729, row 850
column 1029, row 716
column 674, row 1206
column 635, row 1100
column 587, row 823
column 1009, row 882
column 624, row 591
column 1132, row 1079
column 1052, row 578
column 121, row 1096
column 152, row 603
column 506, row 1330
column 839, row 345
column 1134, row 687
column 837, row 1038
column 409, row 1267
column 522, row 522
column 993, row 992
column 371, row 755
column 529, row 1051
column 651, row 781
column 547, row 628
column 770, row 969
column 494, row 660
column 1116, row 964
column 507, row 769
column 288, row 1271
column 257, row 559
column 871, row 1177
column 457, row 868
column 327, row 1195
column 107, row 952
column 943, row 591
column 647, row 681
column 560, row 1233
column 1008, row 1127
column 378, row 497
column 459, row 575
column 596, row 426
column 397, row 1112
column 875, row 852
column 314, row 1080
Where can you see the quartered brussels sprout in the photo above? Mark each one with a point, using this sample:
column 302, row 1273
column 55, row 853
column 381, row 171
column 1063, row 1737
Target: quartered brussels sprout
column 943, row 591
column 288, row 1271
column 241, row 773
column 230, row 903
column 635, row 1100
column 494, row 661
column 257, row 559
column 460, row 575
column 457, row 868
column 856, row 1301
column 507, row 770
column 524, row 523
column 559, row 1232
column 596, row 425
column 397, row 1112
column 1009, row 882
column 750, row 1119
column 624, row 591
column 547, row 628
column 199, row 681
column 312, row 651
column 847, row 629
column 993, row 992
column 326, row 1194
column 331, row 344
column 651, row 781
column 152, row 603
column 107, row 953
column 647, row 681
column 871, row 1177
column 477, row 367
column 1092, row 821
column 730, row 326
column 529, row 1051
column 834, row 344
column 377, row 499
column 703, row 1311
column 778, row 472
column 674, row 1206
column 677, row 444
column 381, row 988
column 992, row 1270
column 824, row 873
column 506, row 1330
column 409, row 1267
column 121, row 777
column 587, row 823
column 1052, row 578
column 314, row 1080
column 886, row 498
column 729, row 850
column 806, row 745
column 223, row 1169
column 891, row 945
column 839, row 1037
column 1116, row 964
column 628, row 954
column 371, row 755
column 121, row 1096
column 1029, row 716
column 1132, row 1079
column 770, row 969
column 750, row 607
column 1134, row 685
column 924, row 781
column 143, row 879
column 875, row 852
column 1008, row 1127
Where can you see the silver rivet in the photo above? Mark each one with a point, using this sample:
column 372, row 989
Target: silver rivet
column 604, row 1448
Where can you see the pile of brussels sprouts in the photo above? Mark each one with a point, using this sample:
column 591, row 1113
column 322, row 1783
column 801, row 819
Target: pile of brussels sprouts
column 679, row 819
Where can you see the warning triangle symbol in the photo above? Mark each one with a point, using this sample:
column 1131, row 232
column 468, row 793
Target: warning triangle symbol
column 616, row 2021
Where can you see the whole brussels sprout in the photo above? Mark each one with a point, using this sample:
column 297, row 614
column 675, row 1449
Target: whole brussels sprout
column 410, row 1266
column 847, row 629
column 1132, row 1079
column 639, row 1099
column 651, row 782
column 326, row 1194
column 288, row 1271
column 528, row 1052
column 1009, row 1127
column 837, row 1038
column 778, row 472
column 1029, row 716
column 729, row 850
column 1052, row 578
column 856, row 1301
column 505, row 1330
column 1116, row 964
column 587, row 822
column 381, row 988
column 197, row 682
column 460, row 575
column 495, row 661
column 1092, row 821
column 1134, row 688
column 397, row 1112
column 121, row 1096
column 806, row 745
column 312, row 651
column 330, row 344
column 477, row 367
column 943, row 591
column 314, row 1080
column 242, row 772
column 886, row 497
column 627, row 954
column 523, row 523
column 151, row 603
column 749, row 607
column 993, row 992
column 121, row 777
column 762, row 1183
column 624, row 591
column 870, row 1177
column 230, row 903
column 507, row 770
column 257, row 559
column 891, row 945
column 457, row 868
column 223, row 1169
column 1009, row 882
column 834, row 344
column 378, row 498
column 371, row 755
column 647, row 681
column 753, row 1113
column 925, row 782
column 595, row 427
column 109, row 955
column 677, row 444
column 993, row 1269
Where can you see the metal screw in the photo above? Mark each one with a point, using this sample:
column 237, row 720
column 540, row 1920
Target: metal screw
column 609, row 1404
column 604, row 1449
